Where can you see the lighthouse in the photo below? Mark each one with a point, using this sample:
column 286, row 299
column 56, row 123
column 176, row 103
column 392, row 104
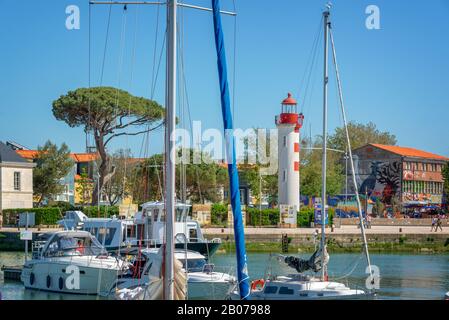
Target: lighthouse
column 289, row 122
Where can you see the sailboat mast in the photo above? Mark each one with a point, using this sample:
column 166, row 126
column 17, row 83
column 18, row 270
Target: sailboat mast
column 324, row 163
column 170, row 155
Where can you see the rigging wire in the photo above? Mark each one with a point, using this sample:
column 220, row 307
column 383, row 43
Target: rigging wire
column 105, row 45
column 311, row 76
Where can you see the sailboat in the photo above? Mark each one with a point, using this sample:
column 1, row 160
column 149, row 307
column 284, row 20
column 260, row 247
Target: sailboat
column 166, row 278
column 302, row 286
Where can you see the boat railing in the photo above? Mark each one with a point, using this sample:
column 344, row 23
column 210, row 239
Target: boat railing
column 36, row 248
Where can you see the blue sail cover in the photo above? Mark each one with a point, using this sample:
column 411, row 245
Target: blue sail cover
column 242, row 269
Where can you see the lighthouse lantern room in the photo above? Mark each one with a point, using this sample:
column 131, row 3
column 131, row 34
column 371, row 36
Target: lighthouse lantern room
column 289, row 122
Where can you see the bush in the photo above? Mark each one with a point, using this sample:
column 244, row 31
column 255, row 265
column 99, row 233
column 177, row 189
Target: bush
column 219, row 214
column 305, row 217
column 105, row 211
column 43, row 216
column 265, row 217
column 64, row 206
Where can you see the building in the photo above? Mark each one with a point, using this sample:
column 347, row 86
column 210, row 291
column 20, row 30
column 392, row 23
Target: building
column 82, row 162
column 412, row 176
column 16, row 180
column 75, row 183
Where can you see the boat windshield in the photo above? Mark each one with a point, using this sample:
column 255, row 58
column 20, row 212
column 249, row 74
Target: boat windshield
column 72, row 245
column 194, row 265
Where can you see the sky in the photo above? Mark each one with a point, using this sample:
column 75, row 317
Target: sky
column 396, row 77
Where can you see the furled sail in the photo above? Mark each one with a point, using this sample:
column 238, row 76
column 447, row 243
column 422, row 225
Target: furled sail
column 313, row 263
column 242, row 269
column 154, row 288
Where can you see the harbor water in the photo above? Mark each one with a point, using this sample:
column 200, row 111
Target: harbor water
column 402, row 276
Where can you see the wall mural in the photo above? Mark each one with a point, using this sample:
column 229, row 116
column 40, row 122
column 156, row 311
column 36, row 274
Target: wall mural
column 382, row 180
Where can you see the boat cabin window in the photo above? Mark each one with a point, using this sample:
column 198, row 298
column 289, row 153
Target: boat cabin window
column 157, row 215
column 194, row 265
column 180, row 215
column 106, row 235
column 270, row 289
column 66, row 245
column 130, row 232
column 193, row 235
column 140, row 232
column 286, row 290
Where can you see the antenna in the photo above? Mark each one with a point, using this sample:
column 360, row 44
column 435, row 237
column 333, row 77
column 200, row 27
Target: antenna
column 329, row 5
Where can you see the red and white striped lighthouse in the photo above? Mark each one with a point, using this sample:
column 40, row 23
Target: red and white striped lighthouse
column 288, row 123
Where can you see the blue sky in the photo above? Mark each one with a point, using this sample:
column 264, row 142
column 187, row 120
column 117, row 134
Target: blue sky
column 396, row 77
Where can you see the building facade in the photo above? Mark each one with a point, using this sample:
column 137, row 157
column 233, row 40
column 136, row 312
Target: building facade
column 386, row 172
column 82, row 162
column 16, row 180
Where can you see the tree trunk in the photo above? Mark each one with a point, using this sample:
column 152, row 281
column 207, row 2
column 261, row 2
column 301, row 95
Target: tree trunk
column 102, row 170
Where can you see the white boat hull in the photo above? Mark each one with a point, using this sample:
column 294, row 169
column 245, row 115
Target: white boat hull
column 199, row 287
column 313, row 290
column 52, row 276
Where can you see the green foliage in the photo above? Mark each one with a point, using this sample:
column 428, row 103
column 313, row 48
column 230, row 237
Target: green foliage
column 360, row 135
column 119, row 185
column 264, row 217
column 311, row 166
column 64, row 206
column 43, row 216
column 305, row 217
column 105, row 211
column 203, row 181
column 108, row 113
column 52, row 165
column 219, row 214
column 102, row 106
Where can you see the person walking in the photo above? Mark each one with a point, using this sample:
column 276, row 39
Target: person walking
column 434, row 221
column 439, row 224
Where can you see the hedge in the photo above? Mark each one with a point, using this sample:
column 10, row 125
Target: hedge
column 105, row 211
column 51, row 215
column 270, row 217
column 43, row 216
column 265, row 217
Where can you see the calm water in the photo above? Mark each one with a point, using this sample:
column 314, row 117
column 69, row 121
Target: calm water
column 402, row 276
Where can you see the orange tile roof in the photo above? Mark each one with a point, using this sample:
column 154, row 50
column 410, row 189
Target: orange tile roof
column 77, row 157
column 84, row 157
column 410, row 152
column 27, row 154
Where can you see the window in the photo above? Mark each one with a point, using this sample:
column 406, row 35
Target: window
column 286, row 290
column 270, row 290
column 284, row 176
column 285, row 141
column 17, row 181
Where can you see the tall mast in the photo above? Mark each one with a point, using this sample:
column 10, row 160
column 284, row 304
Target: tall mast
column 324, row 163
column 170, row 159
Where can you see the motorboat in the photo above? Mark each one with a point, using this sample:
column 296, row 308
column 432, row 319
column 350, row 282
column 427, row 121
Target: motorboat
column 72, row 262
column 147, row 228
column 204, row 280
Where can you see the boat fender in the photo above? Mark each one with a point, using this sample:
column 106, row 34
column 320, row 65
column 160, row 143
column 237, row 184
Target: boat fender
column 32, row 278
column 48, row 281
column 257, row 283
column 61, row 283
